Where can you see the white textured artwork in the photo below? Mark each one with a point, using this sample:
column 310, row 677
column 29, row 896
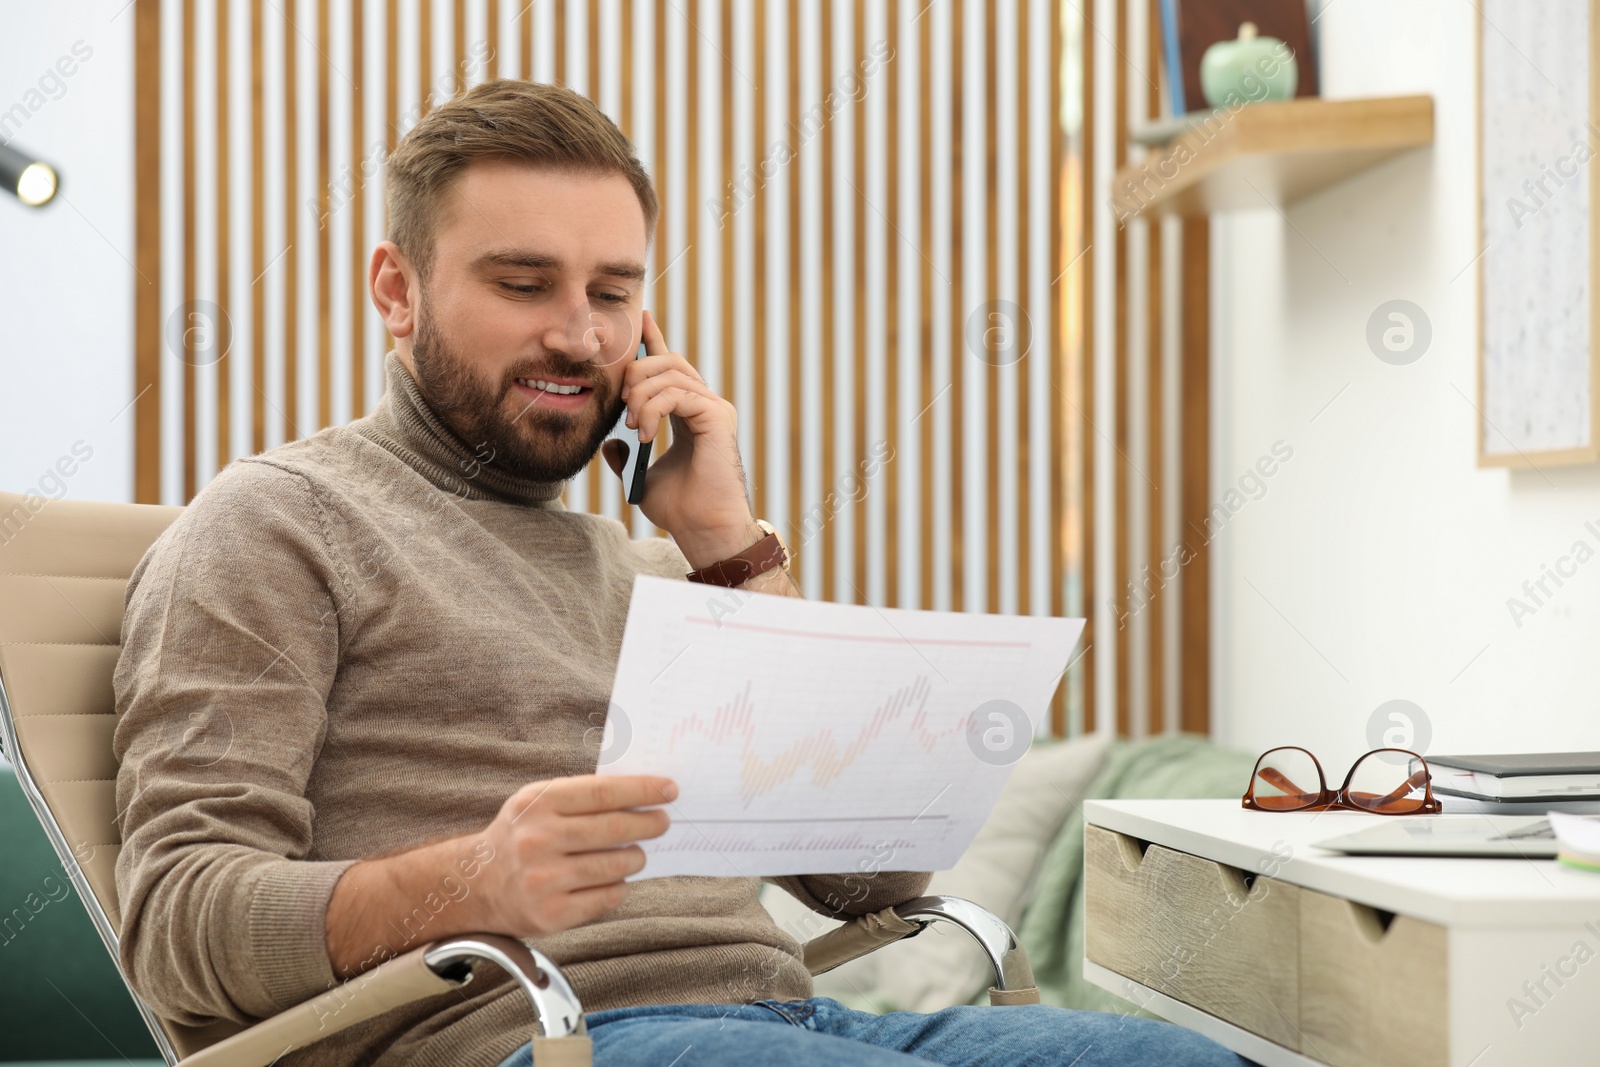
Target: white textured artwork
column 1539, row 147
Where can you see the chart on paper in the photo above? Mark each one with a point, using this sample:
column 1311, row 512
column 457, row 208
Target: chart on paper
column 809, row 737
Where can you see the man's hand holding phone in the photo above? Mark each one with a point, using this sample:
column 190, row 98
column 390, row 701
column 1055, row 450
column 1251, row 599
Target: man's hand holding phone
column 696, row 489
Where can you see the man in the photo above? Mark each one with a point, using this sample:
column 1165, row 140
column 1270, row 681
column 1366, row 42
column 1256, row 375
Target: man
column 362, row 674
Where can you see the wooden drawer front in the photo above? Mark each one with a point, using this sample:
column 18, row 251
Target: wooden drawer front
column 1371, row 997
column 1196, row 931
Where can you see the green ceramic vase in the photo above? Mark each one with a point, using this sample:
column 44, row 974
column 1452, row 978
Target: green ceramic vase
column 1248, row 70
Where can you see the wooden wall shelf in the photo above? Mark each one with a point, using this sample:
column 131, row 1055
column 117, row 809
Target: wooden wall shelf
column 1270, row 154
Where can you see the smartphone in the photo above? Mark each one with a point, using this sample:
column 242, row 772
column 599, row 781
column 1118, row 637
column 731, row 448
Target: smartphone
column 638, row 453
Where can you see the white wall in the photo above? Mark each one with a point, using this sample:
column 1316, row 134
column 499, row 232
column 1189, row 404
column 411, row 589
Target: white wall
column 1379, row 561
column 66, row 273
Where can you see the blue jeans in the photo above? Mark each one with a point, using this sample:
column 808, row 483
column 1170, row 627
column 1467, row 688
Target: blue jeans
column 819, row 1030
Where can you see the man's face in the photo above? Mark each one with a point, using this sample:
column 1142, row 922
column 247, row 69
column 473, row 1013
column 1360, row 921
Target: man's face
column 536, row 276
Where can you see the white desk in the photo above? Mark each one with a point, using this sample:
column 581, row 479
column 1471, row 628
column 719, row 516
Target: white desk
column 1489, row 963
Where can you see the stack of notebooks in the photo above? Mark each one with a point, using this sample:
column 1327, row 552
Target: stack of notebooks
column 1538, row 780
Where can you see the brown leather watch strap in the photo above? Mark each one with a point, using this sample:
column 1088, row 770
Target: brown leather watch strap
column 759, row 558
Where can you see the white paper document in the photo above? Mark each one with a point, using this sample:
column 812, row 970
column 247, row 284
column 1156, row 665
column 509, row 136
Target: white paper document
column 813, row 738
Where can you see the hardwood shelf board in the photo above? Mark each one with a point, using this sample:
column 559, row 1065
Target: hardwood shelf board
column 1270, row 154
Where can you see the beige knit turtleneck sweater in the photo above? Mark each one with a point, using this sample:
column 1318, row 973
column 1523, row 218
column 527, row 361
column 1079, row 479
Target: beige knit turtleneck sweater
column 360, row 642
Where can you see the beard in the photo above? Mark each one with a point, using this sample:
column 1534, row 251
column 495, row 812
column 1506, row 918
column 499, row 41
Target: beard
column 528, row 439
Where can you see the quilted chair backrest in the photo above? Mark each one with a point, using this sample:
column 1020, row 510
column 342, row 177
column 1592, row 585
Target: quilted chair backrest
column 64, row 568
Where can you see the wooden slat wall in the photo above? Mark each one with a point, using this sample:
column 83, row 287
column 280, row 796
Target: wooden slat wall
column 1154, row 631
column 844, row 298
column 1119, row 419
column 1195, row 588
column 1155, row 417
column 1079, row 343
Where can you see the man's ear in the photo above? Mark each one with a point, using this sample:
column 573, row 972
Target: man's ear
column 391, row 279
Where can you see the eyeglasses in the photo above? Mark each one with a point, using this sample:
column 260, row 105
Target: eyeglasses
column 1284, row 778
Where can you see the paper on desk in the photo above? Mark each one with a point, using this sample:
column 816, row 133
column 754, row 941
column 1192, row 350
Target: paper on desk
column 808, row 737
column 1578, row 838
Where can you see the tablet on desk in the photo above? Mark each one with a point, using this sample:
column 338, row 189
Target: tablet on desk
column 1516, row 836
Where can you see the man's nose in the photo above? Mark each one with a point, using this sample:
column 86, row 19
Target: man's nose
column 578, row 331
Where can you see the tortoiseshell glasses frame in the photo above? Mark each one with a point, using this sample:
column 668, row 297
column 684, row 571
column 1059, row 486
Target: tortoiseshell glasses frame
column 1297, row 796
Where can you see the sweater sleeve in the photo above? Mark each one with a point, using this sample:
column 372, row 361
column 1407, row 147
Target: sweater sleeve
column 844, row 896
column 230, row 644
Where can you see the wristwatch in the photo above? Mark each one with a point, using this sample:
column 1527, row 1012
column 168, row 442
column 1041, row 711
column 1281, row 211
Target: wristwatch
column 769, row 552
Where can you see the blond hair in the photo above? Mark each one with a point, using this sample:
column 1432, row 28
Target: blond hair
column 530, row 122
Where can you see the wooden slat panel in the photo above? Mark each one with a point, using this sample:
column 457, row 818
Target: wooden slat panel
column 761, row 297
column 325, row 207
column 664, row 229
column 957, row 517
column 892, row 349
column 1194, row 713
column 796, row 411
column 560, row 77
column 391, row 104
column 425, row 55
column 147, row 324
column 1149, row 593
column 190, row 485
column 224, row 289
column 1147, row 598
column 1024, row 411
column 1083, row 276
column 459, row 38
column 492, row 29
column 858, row 353
column 526, row 17
column 991, row 293
column 687, row 333
column 258, row 230
column 1120, row 407
column 625, row 121
column 391, row 74
column 825, row 531
column 597, row 488
column 291, row 259
column 592, row 40
column 357, row 266
column 728, row 379
column 925, row 417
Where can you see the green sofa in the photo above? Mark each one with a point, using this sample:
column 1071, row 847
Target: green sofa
column 61, row 999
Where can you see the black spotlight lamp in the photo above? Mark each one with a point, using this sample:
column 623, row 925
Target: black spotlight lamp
column 33, row 182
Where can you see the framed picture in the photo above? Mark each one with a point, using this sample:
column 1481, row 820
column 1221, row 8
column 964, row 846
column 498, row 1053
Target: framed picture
column 1538, row 191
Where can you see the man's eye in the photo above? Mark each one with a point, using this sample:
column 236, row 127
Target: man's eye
column 612, row 298
column 524, row 289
